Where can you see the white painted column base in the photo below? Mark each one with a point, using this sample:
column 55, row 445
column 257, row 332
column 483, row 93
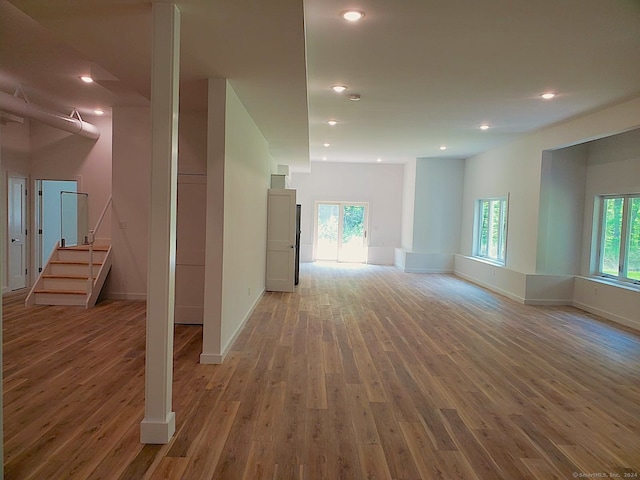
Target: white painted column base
column 154, row 432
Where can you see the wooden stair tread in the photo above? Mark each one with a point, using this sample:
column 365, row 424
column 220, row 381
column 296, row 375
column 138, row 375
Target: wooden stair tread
column 62, row 292
column 85, row 248
column 73, row 262
column 68, row 277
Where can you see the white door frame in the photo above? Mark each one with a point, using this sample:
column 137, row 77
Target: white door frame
column 341, row 205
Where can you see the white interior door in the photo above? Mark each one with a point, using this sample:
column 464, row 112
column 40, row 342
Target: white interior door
column 17, row 233
column 281, row 238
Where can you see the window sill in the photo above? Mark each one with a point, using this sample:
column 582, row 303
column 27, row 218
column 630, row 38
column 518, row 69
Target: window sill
column 488, row 261
column 634, row 287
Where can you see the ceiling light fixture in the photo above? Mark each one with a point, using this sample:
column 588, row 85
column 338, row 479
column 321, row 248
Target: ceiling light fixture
column 326, row 144
column 86, row 79
column 443, row 147
column 332, row 122
column 338, row 88
column 352, row 15
column 484, row 126
column 548, row 95
column 354, row 97
column 324, row 158
column 98, row 111
column 379, row 160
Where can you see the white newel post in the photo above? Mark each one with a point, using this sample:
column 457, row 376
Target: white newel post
column 158, row 425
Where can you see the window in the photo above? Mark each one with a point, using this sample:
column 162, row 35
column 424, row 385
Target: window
column 491, row 229
column 619, row 246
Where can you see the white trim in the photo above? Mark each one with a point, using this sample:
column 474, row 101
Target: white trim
column 158, row 433
column 126, row 296
column 608, row 315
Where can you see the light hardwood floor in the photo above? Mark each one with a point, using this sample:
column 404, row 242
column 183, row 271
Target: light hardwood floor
column 363, row 373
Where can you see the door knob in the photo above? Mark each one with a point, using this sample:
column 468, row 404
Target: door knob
column 14, row 240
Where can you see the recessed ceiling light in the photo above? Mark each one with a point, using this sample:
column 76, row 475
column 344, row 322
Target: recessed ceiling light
column 338, row 88
column 442, row 147
column 354, row 97
column 352, row 15
column 484, row 126
column 326, row 144
column 86, row 79
column 332, row 122
column 98, row 111
column 548, row 95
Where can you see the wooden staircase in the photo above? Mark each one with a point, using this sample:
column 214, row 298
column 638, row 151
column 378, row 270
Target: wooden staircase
column 65, row 279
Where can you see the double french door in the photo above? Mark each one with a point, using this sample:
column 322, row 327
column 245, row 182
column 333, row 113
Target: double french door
column 341, row 232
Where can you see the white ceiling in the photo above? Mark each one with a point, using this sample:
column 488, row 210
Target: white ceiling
column 429, row 72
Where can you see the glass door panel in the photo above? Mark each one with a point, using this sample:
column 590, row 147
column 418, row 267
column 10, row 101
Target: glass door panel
column 74, row 218
column 353, row 238
column 327, row 231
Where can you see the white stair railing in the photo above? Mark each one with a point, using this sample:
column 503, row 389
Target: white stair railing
column 90, row 240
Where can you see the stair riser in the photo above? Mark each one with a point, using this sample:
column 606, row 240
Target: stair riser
column 54, row 299
column 70, row 269
column 72, row 284
column 80, row 256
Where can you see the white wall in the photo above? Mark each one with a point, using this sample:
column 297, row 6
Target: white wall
column 379, row 185
column 246, row 182
column 408, row 203
column 238, row 175
column 130, row 208
column 562, row 191
column 14, row 153
column 435, row 216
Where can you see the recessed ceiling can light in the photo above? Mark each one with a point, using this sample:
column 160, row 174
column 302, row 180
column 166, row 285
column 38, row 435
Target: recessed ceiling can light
column 326, row 144
column 354, row 97
column 86, row 79
column 332, row 122
column 352, row 15
column 98, row 111
column 484, row 126
column 548, row 95
column 339, row 88
column 443, row 147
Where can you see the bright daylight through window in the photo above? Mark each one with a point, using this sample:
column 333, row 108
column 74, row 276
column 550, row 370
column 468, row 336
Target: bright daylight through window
column 619, row 246
column 491, row 229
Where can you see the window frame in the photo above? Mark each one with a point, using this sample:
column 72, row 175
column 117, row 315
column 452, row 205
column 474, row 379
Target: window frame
column 503, row 222
column 625, row 232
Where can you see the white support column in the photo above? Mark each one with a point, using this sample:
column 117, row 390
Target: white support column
column 212, row 321
column 158, row 425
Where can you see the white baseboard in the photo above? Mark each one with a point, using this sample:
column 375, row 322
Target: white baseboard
column 608, row 315
column 125, row 296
